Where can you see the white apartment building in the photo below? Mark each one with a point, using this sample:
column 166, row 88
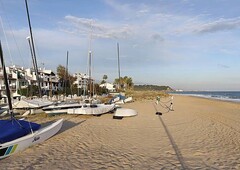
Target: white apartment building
column 20, row 78
column 81, row 80
column 16, row 78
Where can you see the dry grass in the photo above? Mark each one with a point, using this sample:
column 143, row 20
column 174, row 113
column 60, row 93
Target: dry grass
column 146, row 95
column 105, row 99
column 139, row 95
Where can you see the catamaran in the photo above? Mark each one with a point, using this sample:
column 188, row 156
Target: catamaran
column 16, row 135
column 92, row 109
column 61, row 108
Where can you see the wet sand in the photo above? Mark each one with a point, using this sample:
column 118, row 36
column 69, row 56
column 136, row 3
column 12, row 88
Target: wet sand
column 198, row 134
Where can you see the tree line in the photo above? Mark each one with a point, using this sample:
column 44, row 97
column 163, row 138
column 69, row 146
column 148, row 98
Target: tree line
column 67, row 80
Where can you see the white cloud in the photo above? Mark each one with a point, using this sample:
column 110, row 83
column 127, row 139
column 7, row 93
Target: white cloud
column 50, row 45
column 198, row 25
column 218, row 25
column 97, row 28
column 122, row 8
column 154, row 39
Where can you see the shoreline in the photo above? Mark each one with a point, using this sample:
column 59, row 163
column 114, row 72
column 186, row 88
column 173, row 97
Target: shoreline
column 208, row 98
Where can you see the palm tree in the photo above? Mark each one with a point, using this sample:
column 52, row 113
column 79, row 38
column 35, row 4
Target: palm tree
column 125, row 82
column 129, row 82
column 104, row 80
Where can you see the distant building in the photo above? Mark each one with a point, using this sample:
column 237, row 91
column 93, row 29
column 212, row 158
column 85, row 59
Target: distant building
column 16, row 78
column 81, row 80
column 49, row 81
column 108, row 86
column 20, row 78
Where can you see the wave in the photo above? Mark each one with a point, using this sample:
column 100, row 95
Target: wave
column 233, row 96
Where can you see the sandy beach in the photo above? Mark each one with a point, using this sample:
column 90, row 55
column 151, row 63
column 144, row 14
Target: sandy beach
column 198, row 134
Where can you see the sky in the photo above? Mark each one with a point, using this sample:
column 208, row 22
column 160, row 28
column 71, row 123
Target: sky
column 184, row 44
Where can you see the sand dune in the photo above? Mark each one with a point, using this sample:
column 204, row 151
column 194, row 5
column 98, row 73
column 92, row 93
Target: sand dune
column 198, row 134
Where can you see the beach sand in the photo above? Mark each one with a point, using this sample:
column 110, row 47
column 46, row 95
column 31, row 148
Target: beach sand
column 198, row 134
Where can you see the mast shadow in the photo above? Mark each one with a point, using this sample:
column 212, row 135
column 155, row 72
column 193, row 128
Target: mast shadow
column 172, row 142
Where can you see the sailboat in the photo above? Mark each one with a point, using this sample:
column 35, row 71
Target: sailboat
column 61, row 108
column 122, row 112
column 92, row 109
column 17, row 135
column 25, row 104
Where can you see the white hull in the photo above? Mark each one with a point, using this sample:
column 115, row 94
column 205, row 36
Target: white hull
column 31, row 104
column 9, row 148
column 60, row 109
column 88, row 110
column 124, row 112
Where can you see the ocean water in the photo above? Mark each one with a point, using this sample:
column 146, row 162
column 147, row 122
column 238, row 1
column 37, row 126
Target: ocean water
column 233, row 96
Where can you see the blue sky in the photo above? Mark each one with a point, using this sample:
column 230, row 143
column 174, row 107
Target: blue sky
column 186, row 44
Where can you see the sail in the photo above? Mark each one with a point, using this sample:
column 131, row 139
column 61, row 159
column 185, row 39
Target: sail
column 14, row 129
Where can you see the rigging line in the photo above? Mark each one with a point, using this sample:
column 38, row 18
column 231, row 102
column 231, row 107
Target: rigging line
column 163, row 105
column 6, row 83
column 29, row 124
column 37, row 51
column 6, row 40
column 170, row 100
column 31, row 51
column 14, row 119
column 168, row 110
column 166, row 106
column 19, row 51
column 10, row 27
column 167, row 101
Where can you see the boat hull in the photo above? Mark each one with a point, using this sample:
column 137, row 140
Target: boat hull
column 60, row 109
column 88, row 110
column 124, row 112
column 12, row 147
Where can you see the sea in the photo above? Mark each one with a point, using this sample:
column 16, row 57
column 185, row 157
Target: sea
column 232, row 96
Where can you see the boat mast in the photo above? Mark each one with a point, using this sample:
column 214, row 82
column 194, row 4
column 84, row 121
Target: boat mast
column 66, row 75
column 89, row 72
column 33, row 51
column 29, row 42
column 6, row 83
column 90, row 62
column 119, row 84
